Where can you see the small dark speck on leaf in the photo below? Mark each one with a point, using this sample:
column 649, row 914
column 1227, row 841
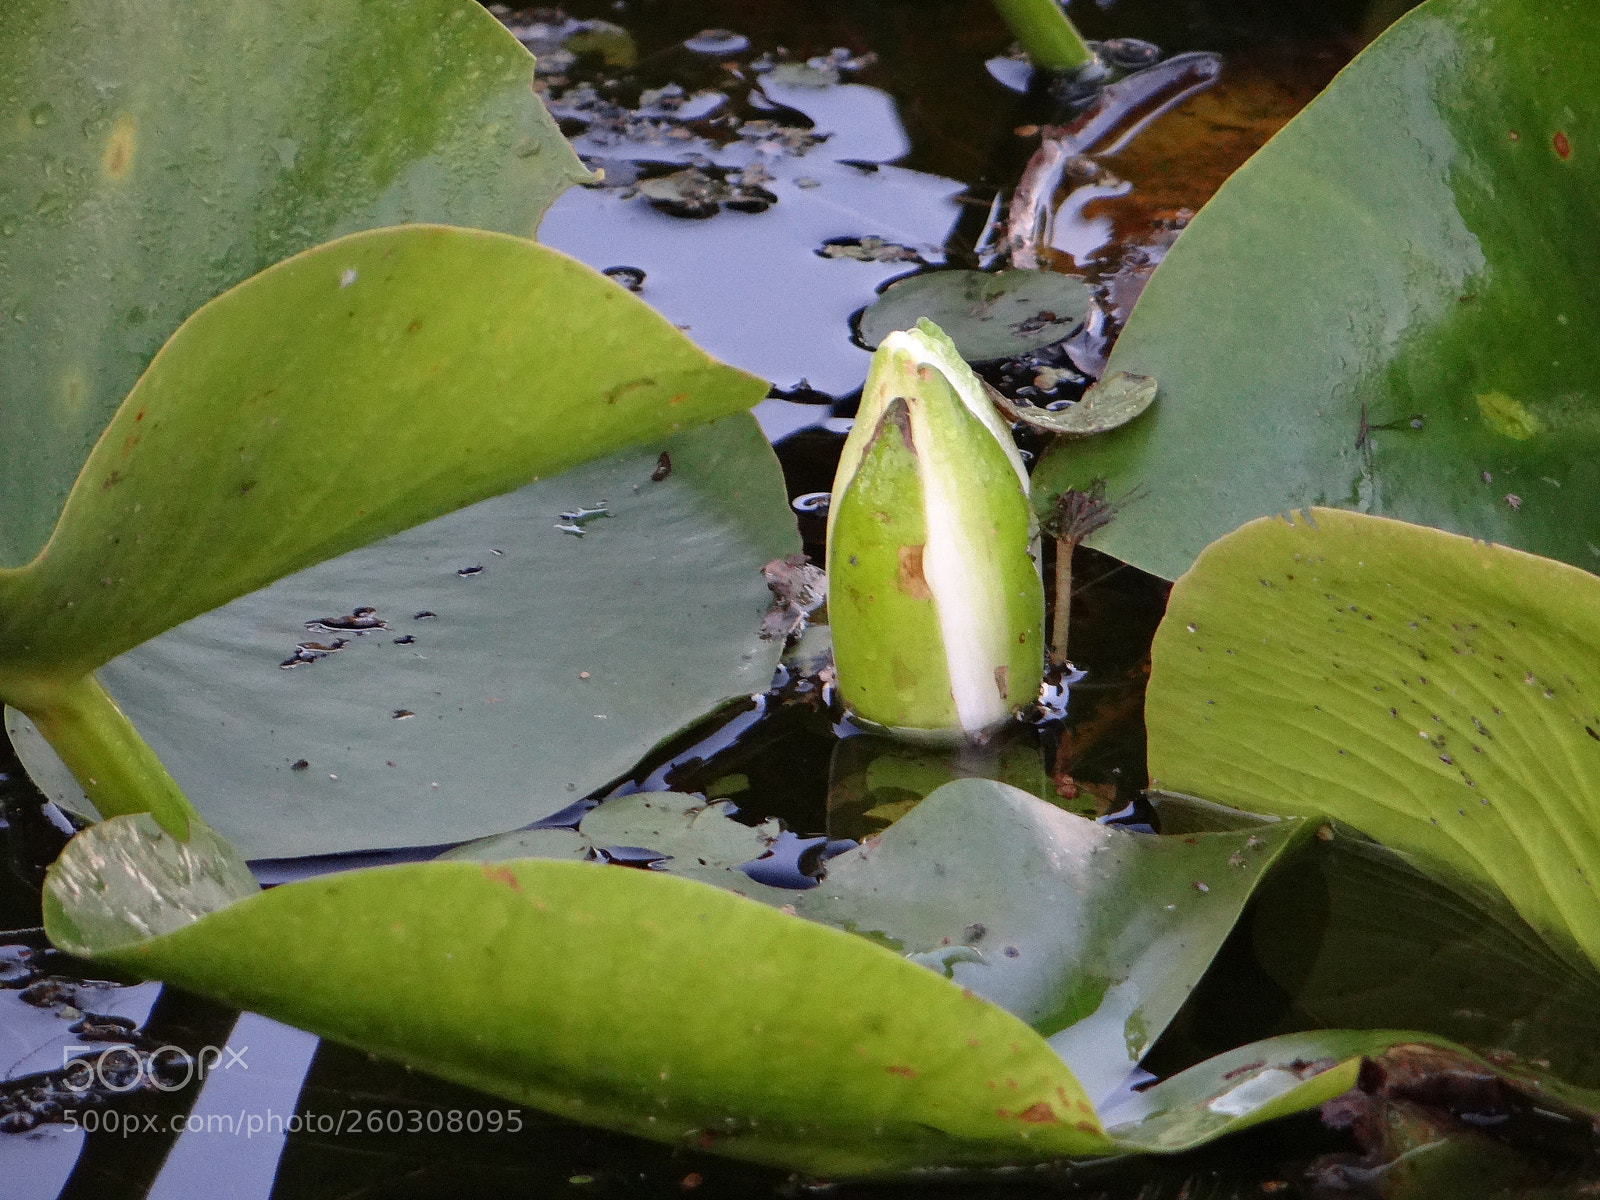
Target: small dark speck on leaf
column 299, row 764
column 1011, row 952
column 663, row 468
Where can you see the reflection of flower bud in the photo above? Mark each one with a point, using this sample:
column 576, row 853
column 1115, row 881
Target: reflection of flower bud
column 935, row 602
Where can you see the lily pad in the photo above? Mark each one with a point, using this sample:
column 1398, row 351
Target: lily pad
column 161, row 154
column 1093, row 935
column 536, row 679
column 831, row 1055
column 987, row 315
column 1439, row 694
column 1108, row 404
column 1387, row 309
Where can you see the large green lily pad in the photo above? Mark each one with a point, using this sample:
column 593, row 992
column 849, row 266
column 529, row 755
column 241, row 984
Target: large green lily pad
column 1092, row 935
column 539, row 678
column 1388, row 309
column 1439, row 694
column 664, row 1007
column 156, row 154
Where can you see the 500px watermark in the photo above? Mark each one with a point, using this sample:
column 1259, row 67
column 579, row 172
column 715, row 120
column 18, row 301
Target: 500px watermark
column 344, row 1121
column 123, row 1067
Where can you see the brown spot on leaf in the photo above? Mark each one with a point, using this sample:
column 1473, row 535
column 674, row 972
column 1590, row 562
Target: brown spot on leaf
column 897, row 1069
column 111, row 481
column 1561, row 146
column 498, row 874
column 909, row 577
column 1000, row 680
column 1035, row 1114
column 117, row 157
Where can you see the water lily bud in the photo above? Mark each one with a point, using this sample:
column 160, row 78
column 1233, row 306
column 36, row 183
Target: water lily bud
column 935, row 601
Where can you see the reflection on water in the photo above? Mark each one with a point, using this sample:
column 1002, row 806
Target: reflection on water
column 755, row 289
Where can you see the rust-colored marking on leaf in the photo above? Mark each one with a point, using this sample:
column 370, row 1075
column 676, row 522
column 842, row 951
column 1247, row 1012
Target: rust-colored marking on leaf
column 117, row 157
column 501, row 875
column 908, row 575
column 1039, row 1113
column 1561, row 145
column 898, row 1069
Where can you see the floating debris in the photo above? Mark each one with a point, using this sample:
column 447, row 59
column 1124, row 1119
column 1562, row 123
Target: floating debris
column 468, row 572
column 812, row 503
column 574, row 520
column 631, row 278
column 404, row 640
column 866, row 249
column 720, row 43
column 424, row 615
column 698, row 192
column 400, row 714
column 798, row 589
column 310, row 652
column 358, row 620
column 630, row 856
column 663, row 468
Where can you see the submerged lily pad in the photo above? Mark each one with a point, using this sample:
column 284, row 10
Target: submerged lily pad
column 987, row 315
column 526, row 684
column 1461, row 965
column 1389, row 308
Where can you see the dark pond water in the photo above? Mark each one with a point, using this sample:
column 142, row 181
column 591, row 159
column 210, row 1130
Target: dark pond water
column 793, row 233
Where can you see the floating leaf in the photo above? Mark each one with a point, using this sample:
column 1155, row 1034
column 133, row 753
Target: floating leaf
column 1386, row 309
column 1093, row 935
column 832, row 1055
column 162, row 153
column 1439, row 694
column 536, row 680
column 1108, row 404
column 987, row 315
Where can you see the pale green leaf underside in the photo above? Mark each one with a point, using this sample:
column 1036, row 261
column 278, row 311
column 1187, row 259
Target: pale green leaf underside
column 157, row 154
column 344, row 394
column 539, row 679
column 1439, row 694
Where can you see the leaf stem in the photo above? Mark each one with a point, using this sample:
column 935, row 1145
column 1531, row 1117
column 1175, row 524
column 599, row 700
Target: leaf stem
column 1046, row 33
column 115, row 766
column 1063, row 609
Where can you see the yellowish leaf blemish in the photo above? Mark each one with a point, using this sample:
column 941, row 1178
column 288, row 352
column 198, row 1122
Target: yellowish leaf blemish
column 1507, row 417
column 117, row 158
